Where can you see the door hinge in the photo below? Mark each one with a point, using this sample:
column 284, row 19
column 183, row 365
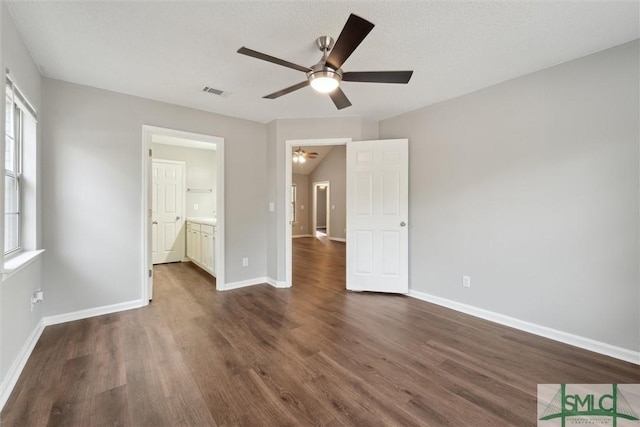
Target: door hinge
column 150, row 152
column 150, row 273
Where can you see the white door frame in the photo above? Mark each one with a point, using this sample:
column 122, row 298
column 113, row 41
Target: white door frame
column 288, row 159
column 314, row 219
column 183, row 218
column 146, row 284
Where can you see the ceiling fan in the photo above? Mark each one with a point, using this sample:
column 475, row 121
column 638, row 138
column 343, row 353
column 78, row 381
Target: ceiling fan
column 326, row 75
column 301, row 156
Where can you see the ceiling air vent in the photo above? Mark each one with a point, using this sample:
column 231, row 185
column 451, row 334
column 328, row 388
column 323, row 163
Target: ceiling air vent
column 216, row 91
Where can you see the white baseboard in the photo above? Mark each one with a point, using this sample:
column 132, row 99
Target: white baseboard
column 244, row 283
column 543, row 331
column 92, row 312
column 254, row 281
column 338, row 239
column 18, row 364
column 277, row 283
column 297, row 236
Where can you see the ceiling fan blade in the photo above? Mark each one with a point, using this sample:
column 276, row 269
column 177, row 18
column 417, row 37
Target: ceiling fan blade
column 287, row 90
column 340, row 99
column 311, row 155
column 255, row 54
column 377, row 76
column 354, row 31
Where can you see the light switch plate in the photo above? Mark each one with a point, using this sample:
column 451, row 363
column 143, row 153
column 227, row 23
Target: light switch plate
column 466, row 281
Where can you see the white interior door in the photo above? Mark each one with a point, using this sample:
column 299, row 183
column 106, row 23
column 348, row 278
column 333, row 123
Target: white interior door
column 377, row 216
column 167, row 204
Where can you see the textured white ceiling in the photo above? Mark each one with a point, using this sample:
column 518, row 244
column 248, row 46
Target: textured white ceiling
column 170, row 50
column 307, row 167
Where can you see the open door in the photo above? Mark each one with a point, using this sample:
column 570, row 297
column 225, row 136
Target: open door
column 377, row 216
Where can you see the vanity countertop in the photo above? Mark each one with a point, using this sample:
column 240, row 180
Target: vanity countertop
column 202, row 220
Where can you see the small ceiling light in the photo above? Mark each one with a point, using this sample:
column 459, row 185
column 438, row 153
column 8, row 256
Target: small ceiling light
column 324, row 81
column 301, row 159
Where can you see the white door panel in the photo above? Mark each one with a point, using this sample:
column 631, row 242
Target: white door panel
column 167, row 203
column 377, row 211
column 154, row 238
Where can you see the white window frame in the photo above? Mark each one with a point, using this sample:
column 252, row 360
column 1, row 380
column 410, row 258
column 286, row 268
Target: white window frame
column 21, row 107
column 16, row 175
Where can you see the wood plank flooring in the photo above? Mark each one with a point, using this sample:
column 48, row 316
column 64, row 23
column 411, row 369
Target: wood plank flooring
column 310, row 355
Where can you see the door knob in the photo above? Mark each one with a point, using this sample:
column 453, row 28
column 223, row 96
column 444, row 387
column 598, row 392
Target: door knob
column 402, row 224
column 177, row 218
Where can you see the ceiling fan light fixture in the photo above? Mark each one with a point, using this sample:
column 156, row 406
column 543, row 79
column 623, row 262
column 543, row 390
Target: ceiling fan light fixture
column 299, row 156
column 324, row 81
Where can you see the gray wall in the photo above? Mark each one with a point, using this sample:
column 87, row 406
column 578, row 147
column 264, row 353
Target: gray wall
column 334, row 169
column 303, row 207
column 531, row 188
column 17, row 321
column 201, row 170
column 321, row 210
column 278, row 132
column 274, row 230
column 93, row 180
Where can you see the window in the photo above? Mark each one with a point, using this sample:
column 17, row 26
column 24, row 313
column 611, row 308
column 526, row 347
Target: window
column 12, row 173
column 293, row 203
column 19, row 131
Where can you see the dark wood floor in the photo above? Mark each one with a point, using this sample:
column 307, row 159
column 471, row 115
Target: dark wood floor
column 311, row 355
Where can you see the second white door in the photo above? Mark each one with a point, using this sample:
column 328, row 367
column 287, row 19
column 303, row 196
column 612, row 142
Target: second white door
column 167, row 229
column 377, row 210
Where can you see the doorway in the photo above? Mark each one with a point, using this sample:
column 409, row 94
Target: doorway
column 321, row 216
column 288, row 244
column 213, row 208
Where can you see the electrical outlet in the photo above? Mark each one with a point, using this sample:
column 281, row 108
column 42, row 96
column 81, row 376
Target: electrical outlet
column 245, row 262
column 38, row 296
column 466, row 281
column 195, row 206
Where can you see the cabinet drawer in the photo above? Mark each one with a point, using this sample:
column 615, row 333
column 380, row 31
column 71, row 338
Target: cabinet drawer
column 206, row 228
column 195, row 226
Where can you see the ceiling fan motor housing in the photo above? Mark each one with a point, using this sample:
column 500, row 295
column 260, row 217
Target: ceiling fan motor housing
column 321, row 70
column 322, row 77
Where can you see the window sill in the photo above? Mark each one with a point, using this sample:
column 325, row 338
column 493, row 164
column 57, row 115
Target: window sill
column 18, row 262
